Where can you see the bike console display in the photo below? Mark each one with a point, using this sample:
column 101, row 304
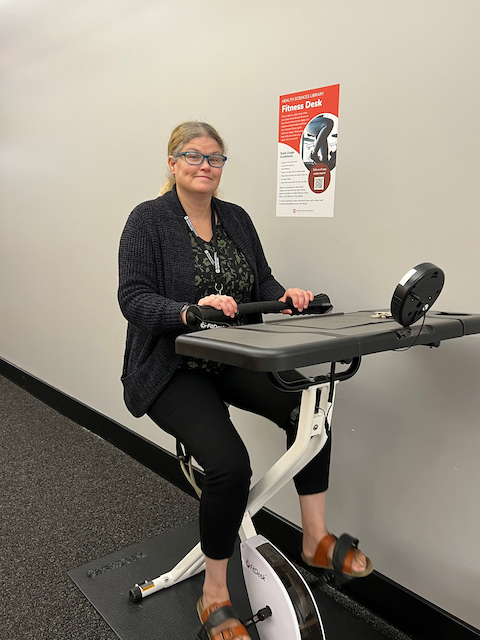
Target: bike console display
column 416, row 292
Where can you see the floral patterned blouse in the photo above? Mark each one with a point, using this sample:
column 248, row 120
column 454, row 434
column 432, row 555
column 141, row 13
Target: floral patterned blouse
column 235, row 279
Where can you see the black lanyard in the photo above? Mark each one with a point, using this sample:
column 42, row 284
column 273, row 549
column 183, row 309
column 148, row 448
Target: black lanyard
column 214, row 260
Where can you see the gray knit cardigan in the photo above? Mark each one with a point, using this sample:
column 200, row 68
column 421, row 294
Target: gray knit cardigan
column 156, row 278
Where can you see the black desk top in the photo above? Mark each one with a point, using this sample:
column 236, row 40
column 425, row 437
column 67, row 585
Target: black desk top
column 300, row 341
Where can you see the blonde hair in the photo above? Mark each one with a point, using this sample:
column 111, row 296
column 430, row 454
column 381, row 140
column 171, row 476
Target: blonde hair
column 181, row 135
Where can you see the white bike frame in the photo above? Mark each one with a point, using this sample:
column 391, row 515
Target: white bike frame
column 312, row 435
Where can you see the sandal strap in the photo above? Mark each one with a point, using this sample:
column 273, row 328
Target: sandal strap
column 320, row 558
column 216, row 614
column 344, row 554
column 212, row 608
column 231, row 633
column 219, row 616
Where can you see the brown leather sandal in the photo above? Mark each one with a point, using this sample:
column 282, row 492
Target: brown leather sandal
column 346, row 548
column 215, row 615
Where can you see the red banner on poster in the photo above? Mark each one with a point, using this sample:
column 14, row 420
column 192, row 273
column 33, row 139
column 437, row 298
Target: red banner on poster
column 298, row 109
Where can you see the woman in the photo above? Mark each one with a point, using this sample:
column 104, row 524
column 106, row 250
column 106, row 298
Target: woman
column 185, row 247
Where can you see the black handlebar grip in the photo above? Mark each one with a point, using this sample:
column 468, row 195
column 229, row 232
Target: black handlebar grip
column 197, row 315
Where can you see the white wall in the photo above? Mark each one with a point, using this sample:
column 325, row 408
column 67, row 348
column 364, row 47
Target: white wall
column 90, row 93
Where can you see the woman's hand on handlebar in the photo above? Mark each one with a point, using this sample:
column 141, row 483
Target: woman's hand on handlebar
column 223, row 303
column 300, row 299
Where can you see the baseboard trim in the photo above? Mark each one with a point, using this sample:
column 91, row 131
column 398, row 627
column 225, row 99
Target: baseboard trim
column 385, row 598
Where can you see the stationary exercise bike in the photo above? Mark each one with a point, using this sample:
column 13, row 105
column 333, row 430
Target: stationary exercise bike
column 283, row 603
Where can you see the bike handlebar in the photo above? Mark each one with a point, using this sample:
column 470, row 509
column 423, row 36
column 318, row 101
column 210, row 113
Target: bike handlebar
column 206, row 317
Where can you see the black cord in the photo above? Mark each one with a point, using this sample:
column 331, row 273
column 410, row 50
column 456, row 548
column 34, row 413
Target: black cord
column 418, row 335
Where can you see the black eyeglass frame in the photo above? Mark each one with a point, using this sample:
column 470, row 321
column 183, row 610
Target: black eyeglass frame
column 204, row 157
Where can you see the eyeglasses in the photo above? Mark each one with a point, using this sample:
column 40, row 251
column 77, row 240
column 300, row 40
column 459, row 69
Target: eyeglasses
column 194, row 157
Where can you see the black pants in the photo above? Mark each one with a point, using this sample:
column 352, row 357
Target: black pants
column 192, row 409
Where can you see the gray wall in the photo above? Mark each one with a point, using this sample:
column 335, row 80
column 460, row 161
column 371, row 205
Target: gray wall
column 90, row 93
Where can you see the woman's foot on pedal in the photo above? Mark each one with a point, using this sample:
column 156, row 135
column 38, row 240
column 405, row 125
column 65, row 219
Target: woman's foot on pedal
column 336, row 554
column 218, row 617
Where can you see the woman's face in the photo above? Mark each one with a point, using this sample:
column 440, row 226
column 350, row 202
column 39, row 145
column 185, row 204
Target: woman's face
column 200, row 178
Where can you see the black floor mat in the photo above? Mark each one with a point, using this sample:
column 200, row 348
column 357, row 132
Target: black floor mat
column 171, row 613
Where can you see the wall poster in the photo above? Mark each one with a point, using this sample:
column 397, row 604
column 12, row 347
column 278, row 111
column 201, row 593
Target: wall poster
column 307, row 152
